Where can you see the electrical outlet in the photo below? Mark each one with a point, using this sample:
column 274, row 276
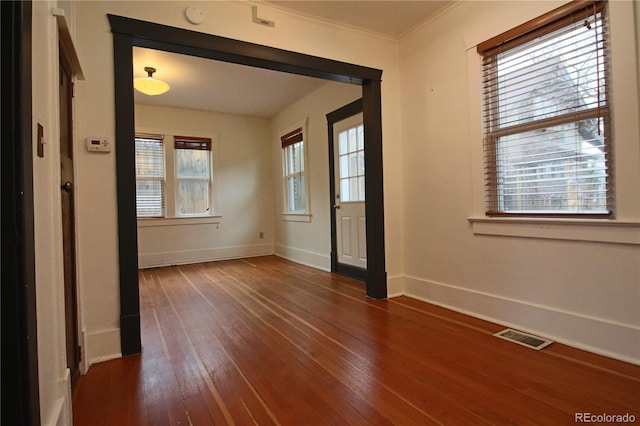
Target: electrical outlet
column 261, row 235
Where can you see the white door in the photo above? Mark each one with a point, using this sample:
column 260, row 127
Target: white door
column 349, row 209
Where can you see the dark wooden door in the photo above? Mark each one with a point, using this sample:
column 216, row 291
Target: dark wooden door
column 68, row 234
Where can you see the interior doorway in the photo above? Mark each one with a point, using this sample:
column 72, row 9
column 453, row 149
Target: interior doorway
column 346, row 135
column 128, row 33
column 68, row 217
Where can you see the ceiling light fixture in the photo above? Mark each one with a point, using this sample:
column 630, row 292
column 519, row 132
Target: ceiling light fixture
column 149, row 85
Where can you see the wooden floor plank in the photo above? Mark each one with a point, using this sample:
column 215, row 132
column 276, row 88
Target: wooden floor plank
column 270, row 342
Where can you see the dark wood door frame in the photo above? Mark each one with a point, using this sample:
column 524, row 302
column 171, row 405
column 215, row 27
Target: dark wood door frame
column 20, row 388
column 333, row 117
column 128, row 33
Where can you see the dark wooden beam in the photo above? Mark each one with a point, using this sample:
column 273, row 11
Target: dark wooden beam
column 126, row 178
column 20, row 383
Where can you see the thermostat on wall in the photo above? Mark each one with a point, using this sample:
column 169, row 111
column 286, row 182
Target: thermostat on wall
column 98, row 144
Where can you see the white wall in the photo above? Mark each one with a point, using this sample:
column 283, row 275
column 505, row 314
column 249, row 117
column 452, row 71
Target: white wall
column 54, row 379
column 244, row 200
column 577, row 283
column 308, row 242
column 96, row 177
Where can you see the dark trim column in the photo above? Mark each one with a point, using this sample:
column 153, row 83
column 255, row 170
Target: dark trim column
column 130, row 336
column 374, row 189
column 20, row 386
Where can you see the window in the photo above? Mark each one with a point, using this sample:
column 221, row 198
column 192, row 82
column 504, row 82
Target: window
column 193, row 175
column 173, row 182
column 351, row 163
column 546, row 116
column 295, row 185
column 150, row 176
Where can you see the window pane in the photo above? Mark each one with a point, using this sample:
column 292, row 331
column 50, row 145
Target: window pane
column 192, row 163
column 345, row 193
column 559, row 73
column 556, row 169
column 297, row 200
column 353, row 164
column 343, row 142
column 149, row 159
column 360, row 137
column 344, row 166
column 353, row 139
column 296, row 158
column 149, row 198
column 193, row 197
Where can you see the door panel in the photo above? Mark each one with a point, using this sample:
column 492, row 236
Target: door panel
column 349, row 203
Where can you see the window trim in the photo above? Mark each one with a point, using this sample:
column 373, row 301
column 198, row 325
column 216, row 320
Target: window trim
column 286, row 140
column 548, row 22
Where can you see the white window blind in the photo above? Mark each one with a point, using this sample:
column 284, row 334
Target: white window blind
column 546, row 116
column 150, row 175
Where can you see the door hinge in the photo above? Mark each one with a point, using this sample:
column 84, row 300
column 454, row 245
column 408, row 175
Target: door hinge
column 73, row 89
column 79, row 353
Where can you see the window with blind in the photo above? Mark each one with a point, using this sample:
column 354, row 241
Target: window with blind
column 150, row 175
column 547, row 143
column 193, row 175
column 295, row 189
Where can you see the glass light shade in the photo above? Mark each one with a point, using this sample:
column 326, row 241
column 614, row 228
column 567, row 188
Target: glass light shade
column 150, row 86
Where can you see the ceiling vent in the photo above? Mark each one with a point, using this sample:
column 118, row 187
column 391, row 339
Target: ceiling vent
column 524, row 339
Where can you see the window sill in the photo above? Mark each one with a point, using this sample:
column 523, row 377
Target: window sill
column 603, row 231
column 179, row 221
column 296, row 217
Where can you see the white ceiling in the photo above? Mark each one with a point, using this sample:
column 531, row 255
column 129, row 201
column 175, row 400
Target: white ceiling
column 208, row 85
column 204, row 84
column 391, row 18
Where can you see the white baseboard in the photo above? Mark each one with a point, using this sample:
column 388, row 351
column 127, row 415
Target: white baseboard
column 84, row 360
column 60, row 413
column 315, row 260
column 151, row 260
column 395, row 286
column 597, row 335
column 102, row 345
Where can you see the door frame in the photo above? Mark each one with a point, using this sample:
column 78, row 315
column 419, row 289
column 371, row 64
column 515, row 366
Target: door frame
column 333, row 117
column 128, row 33
column 20, row 383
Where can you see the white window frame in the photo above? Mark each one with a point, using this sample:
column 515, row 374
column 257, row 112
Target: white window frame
column 297, row 215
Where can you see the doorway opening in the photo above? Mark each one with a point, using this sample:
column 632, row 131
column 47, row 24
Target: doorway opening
column 347, row 175
column 128, row 33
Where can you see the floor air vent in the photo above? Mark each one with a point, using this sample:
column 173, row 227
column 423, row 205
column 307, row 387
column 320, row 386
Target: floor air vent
column 524, row 339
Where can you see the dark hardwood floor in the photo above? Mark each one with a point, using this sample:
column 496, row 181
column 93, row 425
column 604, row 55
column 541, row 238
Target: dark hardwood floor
column 266, row 341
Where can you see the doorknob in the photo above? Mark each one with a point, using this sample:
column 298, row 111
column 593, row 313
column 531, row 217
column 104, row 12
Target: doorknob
column 67, row 187
column 336, row 206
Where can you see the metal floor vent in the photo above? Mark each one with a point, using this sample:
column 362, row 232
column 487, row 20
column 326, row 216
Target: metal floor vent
column 524, row 339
